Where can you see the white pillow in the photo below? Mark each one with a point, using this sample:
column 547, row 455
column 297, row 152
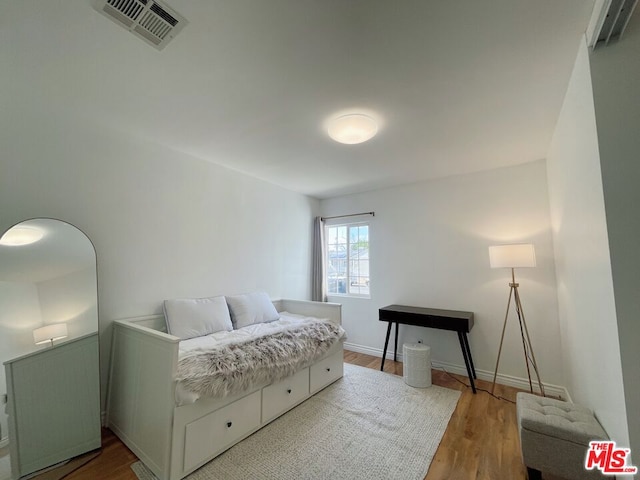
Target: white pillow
column 251, row 308
column 195, row 317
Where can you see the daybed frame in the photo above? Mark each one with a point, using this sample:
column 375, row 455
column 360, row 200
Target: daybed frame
column 173, row 441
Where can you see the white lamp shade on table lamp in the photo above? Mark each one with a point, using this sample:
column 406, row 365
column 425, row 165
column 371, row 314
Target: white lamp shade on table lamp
column 512, row 256
column 49, row 333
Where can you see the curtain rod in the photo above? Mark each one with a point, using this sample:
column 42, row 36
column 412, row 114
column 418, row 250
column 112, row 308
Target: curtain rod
column 373, row 214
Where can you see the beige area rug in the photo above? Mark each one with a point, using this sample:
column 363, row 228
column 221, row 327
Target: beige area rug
column 367, row 425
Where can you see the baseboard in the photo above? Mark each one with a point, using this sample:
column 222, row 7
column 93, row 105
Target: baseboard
column 551, row 390
column 376, row 352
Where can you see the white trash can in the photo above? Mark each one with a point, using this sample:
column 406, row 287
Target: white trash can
column 417, row 365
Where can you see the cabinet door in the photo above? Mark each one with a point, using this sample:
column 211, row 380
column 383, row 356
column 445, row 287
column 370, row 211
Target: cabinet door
column 211, row 434
column 55, row 404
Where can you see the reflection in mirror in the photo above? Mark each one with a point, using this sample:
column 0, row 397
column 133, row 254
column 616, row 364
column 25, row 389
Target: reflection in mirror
column 48, row 314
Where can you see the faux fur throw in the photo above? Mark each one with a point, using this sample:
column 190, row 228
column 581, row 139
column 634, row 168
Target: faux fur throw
column 233, row 368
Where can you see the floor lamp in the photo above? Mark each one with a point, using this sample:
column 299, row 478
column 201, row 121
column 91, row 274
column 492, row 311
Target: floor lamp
column 516, row 256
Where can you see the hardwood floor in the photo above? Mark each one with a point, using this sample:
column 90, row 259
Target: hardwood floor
column 481, row 441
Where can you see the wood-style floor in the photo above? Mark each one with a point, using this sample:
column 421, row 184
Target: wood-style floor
column 481, row 441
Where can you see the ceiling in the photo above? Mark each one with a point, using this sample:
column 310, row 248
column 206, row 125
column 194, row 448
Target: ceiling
column 458, row 86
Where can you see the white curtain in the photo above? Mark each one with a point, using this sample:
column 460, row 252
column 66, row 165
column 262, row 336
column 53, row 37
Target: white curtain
column 318, row 284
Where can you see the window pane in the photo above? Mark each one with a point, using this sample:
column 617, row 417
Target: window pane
column 342, row 234
column 347, row 259
column 337, row 284
column 341, row 267
column 331, row 284
column 363, row 269
column 332, row 235
column 358, row 284
column 353, row 234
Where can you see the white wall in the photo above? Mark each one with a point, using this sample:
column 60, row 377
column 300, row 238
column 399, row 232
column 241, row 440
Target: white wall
column 164, row 224
column 429, row 247
column 615, row 72
column 587, row 311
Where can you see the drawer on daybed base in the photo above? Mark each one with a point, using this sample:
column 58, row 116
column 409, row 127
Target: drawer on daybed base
column 281, row 396
column 211, row 434
column 326, row 371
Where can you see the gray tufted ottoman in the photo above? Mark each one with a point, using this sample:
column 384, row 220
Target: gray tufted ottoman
column 555, row 436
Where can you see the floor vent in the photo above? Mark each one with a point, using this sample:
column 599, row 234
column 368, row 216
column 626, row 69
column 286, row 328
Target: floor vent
column 613, row 21
column 150, row 20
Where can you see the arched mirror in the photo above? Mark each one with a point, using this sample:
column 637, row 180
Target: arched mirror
column 49, row 382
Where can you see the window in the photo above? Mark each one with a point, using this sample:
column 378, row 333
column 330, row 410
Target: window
column 347, row 250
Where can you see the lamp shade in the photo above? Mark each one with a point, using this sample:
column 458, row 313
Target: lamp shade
column 512, row 256
column 49, row 333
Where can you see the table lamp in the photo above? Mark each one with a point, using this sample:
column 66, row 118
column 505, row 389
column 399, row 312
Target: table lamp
column 49, row 333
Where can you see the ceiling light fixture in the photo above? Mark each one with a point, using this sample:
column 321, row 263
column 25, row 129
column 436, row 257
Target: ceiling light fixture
column 352, row 128
column 21, row 236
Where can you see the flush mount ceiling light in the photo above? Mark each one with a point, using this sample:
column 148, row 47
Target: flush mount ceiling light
column 352, row 128
column 21, row 236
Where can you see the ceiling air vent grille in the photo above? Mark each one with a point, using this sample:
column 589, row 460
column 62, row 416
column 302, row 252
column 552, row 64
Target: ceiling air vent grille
column 150, row 20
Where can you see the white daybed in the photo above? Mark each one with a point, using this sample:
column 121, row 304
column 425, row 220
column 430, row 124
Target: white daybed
column 173, row 440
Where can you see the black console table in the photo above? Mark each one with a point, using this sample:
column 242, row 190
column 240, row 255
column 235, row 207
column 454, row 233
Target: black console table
column 460, row 322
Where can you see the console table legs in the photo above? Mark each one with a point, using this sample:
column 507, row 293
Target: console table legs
column 386, row 344
column 464, row 346
column 395, row 347
column 468, row 362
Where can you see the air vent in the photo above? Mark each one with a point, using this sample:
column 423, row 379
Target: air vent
column 613, row 21
column 150, row 20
